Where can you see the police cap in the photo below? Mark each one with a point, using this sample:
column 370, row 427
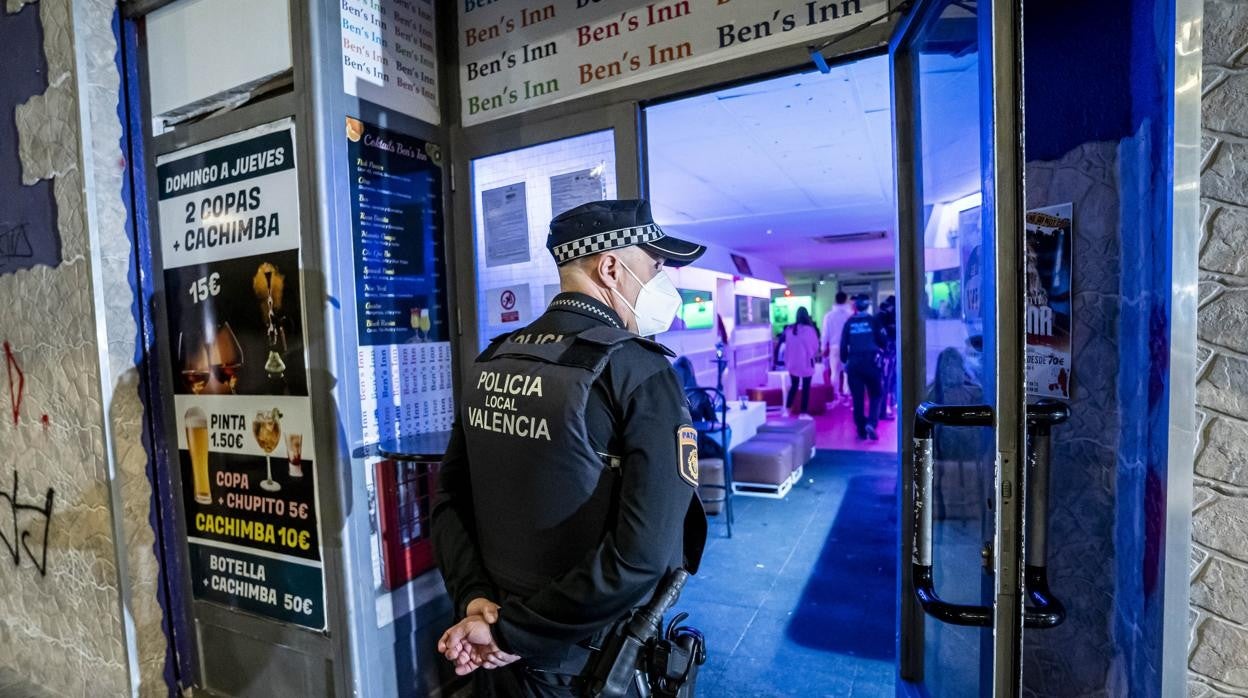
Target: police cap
column 601, row 226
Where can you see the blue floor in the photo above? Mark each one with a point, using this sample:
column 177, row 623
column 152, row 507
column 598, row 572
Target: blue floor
column 801, row 601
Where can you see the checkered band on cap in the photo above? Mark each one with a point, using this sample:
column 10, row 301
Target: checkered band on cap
column 602, row 242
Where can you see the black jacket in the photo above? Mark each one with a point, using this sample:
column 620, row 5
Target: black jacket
column 634, row 411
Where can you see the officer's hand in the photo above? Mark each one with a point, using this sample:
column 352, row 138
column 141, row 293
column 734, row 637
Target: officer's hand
column 457, row 643
column 485, row 608
column 470, row 645
column 492, row 657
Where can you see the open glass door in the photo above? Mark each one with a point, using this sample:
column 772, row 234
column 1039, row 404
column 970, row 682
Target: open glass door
column 957, row 92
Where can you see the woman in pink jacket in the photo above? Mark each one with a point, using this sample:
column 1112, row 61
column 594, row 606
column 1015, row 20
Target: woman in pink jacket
column 801, row 347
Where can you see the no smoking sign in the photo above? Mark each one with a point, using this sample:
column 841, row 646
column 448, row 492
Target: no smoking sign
column 507, row 299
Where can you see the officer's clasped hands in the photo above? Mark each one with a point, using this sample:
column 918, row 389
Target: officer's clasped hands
column 470, row 645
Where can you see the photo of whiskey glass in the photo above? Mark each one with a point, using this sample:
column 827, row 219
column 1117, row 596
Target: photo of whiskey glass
column 193, row 360
column 227, row 357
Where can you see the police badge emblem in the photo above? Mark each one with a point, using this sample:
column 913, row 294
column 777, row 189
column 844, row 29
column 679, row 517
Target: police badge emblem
column 687, row 464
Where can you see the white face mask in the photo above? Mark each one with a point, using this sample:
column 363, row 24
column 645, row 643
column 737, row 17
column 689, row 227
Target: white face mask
column 657, row 303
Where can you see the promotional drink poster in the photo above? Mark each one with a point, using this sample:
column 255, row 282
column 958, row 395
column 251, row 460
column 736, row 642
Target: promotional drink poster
column 229, row 241
column 1048, row 239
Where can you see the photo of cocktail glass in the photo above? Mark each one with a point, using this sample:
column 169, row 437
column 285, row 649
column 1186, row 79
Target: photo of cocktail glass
column 424, row 324
column 197, row 444
column 267, row 428
column 294, row 454
column 414, row 318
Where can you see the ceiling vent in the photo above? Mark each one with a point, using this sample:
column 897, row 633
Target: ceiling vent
column 851, row 237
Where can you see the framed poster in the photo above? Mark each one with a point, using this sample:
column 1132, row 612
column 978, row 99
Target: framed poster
column 229, row 241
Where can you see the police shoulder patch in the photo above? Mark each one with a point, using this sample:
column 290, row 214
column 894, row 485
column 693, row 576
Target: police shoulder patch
column 687, row 449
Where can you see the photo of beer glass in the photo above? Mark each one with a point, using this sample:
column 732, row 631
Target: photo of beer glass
column 197, row 443
column 294, row 454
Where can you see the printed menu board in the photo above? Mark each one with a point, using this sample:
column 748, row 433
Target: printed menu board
column 229, row 241
column 400, row 290
column 523, row 54
column 396, row 221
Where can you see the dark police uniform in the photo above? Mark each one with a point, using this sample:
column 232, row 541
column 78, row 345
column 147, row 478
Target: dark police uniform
column 887, row 320
column 862, row 341
column 568, row 490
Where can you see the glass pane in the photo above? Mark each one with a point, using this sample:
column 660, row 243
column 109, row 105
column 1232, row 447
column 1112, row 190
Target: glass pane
column 956, row 317
column 515, row 195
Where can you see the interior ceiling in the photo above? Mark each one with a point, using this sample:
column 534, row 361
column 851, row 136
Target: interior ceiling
column 766, row 168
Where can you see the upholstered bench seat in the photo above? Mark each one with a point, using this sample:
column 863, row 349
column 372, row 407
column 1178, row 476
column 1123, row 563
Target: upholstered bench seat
column 802, row 427
column 763, row 468
column 794, row 439
column 711, row 483
column 774, row 397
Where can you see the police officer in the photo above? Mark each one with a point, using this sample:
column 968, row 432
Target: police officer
column 568, row 490
column 887, row 319
column 863, row 341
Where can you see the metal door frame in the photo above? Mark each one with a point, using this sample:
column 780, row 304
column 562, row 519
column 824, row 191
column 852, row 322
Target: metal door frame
column 619, row 109
column 619, row 118
column 1001, row 76
column 332, row 645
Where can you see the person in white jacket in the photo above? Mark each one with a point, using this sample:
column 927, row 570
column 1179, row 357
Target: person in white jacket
column 833, row 322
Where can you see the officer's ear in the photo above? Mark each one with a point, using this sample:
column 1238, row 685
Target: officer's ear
column 609, row 269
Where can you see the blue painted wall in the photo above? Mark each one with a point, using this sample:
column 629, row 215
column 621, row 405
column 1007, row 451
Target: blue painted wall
column 1099, row 81
column 28, row 233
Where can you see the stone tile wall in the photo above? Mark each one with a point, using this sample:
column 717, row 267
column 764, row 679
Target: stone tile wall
column 1218, row 659
column 80, row 628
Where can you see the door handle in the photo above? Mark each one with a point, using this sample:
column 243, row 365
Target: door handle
column 926, row 418
column 1046, row 610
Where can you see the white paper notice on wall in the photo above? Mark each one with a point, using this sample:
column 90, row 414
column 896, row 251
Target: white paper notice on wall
column 523, row 54
column 506, row 217
column 389, row 55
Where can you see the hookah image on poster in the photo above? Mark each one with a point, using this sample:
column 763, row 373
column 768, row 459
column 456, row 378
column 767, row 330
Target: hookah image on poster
column 236, row 328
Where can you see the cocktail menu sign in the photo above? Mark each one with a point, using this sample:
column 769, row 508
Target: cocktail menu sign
column 229, row 241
